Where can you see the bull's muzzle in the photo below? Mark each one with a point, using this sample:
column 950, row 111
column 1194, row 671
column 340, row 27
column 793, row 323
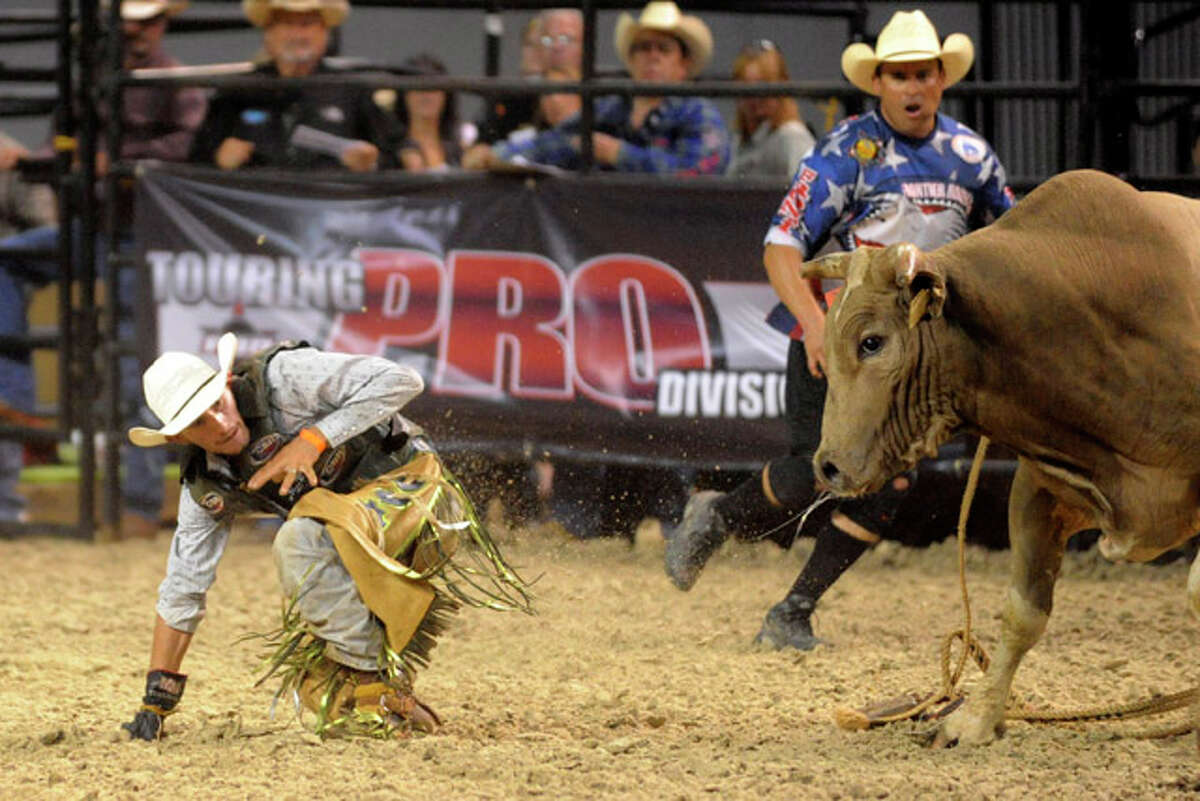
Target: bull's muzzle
column 828, row 474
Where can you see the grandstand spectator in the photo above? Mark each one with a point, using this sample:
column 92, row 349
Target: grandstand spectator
column 769, row 138
column 901, row 173
column 562, row 39
column 666, row 135
column 509, row 112
column 551, row 40
column 432, row 137
column 22, row 206
column 556, row 121
column 669, row 135
column 157, row 122
column 313, row 126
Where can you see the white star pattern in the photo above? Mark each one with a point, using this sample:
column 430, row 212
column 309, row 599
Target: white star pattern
column 890, row 157
column 834, row 145
column 939, row 139
column 985, row 168
column 837, row 197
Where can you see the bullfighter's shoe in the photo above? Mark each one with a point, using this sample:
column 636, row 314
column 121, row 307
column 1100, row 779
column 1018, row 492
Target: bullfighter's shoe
column 697, row 537
column 788, row 625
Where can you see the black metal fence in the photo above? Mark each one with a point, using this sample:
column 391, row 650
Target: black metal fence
column 1063, row 83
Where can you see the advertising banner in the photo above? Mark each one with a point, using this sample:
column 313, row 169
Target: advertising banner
column 602, row 318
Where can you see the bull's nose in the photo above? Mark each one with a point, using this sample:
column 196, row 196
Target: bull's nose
column 828, row 473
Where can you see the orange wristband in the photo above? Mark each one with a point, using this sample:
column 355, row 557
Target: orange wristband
column 314, row 437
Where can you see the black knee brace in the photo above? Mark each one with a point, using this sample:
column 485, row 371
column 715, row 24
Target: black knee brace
column 876, row 512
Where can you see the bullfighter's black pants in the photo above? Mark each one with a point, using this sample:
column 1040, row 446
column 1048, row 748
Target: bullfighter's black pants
column 747, row 511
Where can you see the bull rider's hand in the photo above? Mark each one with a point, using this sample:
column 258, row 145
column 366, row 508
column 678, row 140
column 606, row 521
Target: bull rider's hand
column 163, row 691
column 294, row 459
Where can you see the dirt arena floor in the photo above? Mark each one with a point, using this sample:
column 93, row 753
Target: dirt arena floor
column 620, row 687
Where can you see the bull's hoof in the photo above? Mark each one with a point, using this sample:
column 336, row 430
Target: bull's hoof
column 964, row 728
column 788, row 625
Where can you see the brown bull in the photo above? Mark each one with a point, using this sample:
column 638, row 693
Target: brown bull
column 1069, row 331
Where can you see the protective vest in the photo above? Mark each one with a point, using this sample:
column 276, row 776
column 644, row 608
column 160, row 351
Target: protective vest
column 218, row 485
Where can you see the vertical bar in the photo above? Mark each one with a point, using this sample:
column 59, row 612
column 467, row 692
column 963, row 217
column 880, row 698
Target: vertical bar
column 1065, row 58
column 65, row 146
column 987, row 67
column 88, row 46
column 493, row 29
column 587, row 114
column 114, row 349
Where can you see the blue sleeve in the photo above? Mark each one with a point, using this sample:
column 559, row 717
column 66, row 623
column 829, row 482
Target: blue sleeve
column 554, row 147
column 820, row 194
column 994, row 197
column 699, row 144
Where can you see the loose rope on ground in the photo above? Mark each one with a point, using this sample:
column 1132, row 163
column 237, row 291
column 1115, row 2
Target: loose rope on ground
column 913, row 706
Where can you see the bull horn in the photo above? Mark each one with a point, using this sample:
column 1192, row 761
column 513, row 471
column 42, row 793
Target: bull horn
column 906, row 270
column 833, row 265
column 917, row 307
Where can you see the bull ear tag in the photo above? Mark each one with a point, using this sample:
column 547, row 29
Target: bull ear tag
column 917, row 307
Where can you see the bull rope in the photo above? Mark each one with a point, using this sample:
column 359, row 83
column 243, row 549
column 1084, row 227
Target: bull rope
column 915, row 707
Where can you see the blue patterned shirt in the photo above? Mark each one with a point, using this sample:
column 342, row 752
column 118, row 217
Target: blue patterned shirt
column 864, row 184
column 682, row 136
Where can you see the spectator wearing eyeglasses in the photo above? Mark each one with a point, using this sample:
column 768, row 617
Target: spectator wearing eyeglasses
column 562, row 39
column 769, row 138
column 652, row 134
column 506, row 113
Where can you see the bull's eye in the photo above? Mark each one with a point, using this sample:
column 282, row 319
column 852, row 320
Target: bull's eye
column 869, row 345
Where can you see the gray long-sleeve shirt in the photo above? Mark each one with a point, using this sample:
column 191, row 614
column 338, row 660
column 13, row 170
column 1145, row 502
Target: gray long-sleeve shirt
column 340, row 395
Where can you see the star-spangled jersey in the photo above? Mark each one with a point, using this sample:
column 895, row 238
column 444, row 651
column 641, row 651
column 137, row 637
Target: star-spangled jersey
column 864, row 185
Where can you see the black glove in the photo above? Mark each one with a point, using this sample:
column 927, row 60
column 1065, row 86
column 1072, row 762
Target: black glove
column 163, row 691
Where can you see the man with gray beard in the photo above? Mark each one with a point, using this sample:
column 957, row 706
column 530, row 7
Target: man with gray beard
column 308, row 127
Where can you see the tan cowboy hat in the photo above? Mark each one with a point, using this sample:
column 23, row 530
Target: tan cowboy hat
column 138, row 10
column 908, row 36
column 665, row 17
column 334, row 12
column 179, row 387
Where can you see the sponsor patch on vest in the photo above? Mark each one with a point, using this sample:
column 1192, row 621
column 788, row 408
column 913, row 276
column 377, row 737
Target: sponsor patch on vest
column 333, row 465
column 264, row 448
column 213, row 503
column 968, row 148
column 865, row 150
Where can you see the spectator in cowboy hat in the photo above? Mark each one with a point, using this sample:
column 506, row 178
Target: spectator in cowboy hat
column 679, row 135
column 652, row 134
column 310, row 127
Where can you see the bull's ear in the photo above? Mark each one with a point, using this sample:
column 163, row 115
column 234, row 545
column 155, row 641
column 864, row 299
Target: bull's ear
column 833, row 265
column 921, row 282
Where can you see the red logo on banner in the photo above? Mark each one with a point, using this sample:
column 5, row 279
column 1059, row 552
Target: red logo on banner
column 402, row 289
column 633, row 317
column 506, row 309
column 512, row 324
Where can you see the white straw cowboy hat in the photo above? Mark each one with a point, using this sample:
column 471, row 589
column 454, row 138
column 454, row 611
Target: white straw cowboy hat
column 179, row 388
column 908, row 36
column 138, row 10
column 665, row 17
column 334, row 12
